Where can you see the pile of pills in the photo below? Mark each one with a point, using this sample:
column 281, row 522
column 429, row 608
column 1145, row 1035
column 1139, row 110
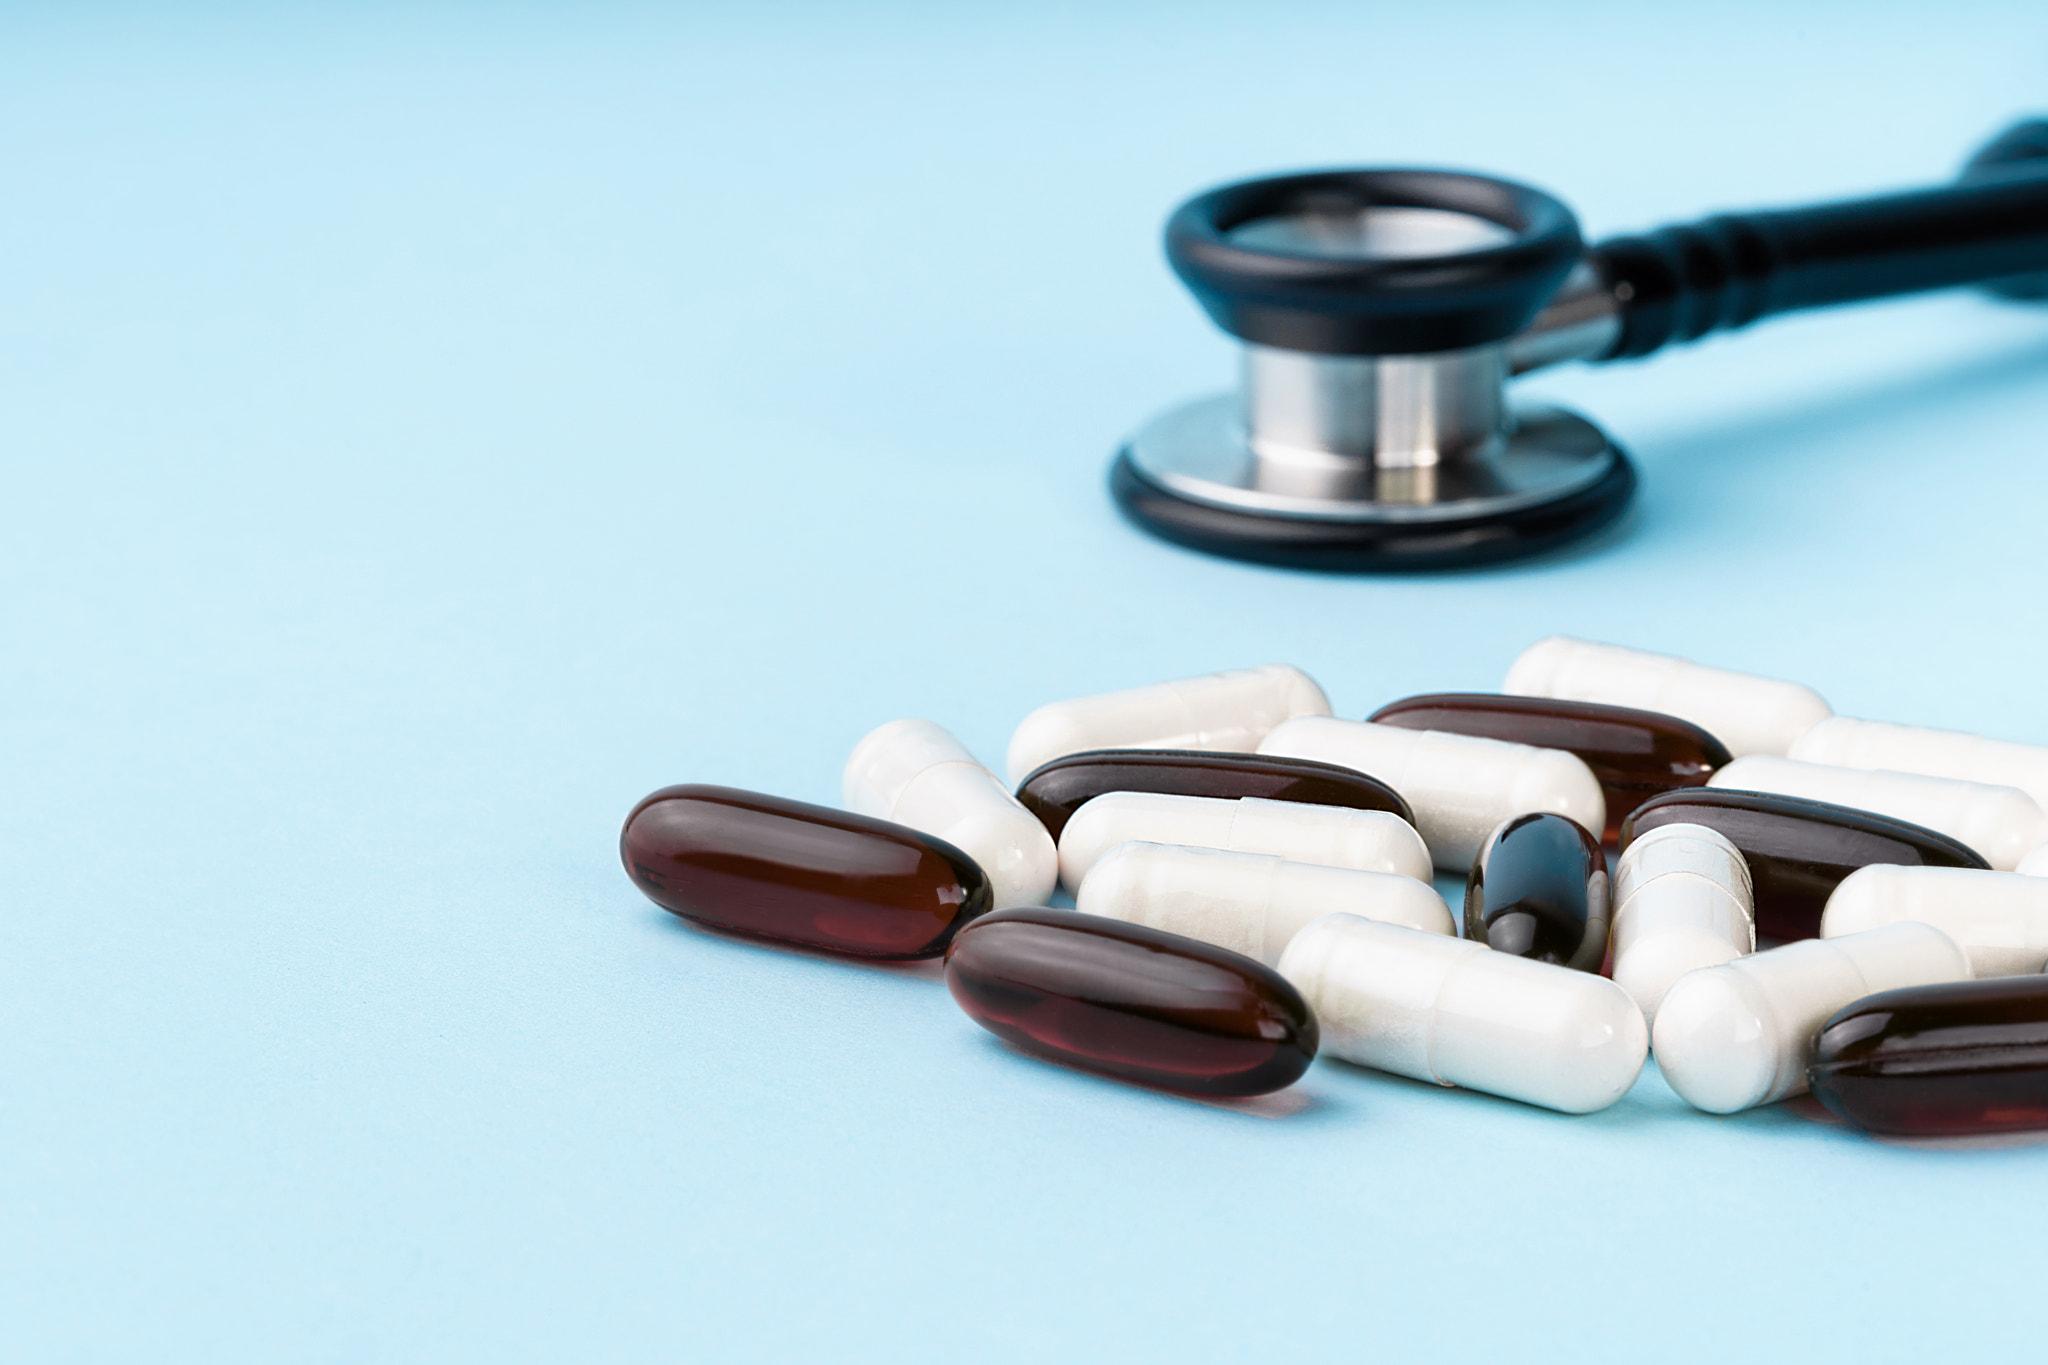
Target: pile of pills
column 1799, row 900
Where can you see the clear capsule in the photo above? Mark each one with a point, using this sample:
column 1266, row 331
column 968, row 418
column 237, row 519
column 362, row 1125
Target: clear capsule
column 915, row 773
column 1228, row 712
column 2001, row 823
column 1749, row 714
column 1999, row 919
column 1335, row 836
column 1250, row 903
column 1459, row 786
column 1457, row 1013
column 1683, row 896
column 1735, row 1036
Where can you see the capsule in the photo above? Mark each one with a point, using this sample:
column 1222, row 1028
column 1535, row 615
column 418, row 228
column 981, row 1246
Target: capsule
column 1847, row 743
column 1739, row 1035
column 1459, row 787
column 1367, row 840
column 1684, row 898
column 1798, row 851
column 1998, row 919
column 1931, row 1061
column 1632, row 754
column 1456, row 1012
column 1748, row 714
column 1250, row 903
column 796, row 873
column 1538, row 889
column 1056, row 790
column 915, row 773
column 1132, row 1002
column 1226, row 712
column 2001, row 823
column 2035, row 864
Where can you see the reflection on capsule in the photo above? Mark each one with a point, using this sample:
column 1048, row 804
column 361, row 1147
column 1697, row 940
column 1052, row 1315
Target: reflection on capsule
column 1335, row 836
column 1538, row 890
column 1055, row 790
column 1684, row 899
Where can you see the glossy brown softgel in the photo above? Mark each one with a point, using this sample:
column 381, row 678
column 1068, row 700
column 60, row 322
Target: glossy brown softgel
column 1633, row 754
column 1538, row 889
column 1928, row 1061
column 1054, row 791
column 777, row 869
column 1798, row 851
column 1130, row 1002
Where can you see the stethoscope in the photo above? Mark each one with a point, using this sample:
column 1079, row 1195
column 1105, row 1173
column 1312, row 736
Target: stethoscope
column 1383, row 311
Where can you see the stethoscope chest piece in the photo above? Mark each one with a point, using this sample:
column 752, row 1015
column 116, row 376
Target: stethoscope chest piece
column 1382, row 314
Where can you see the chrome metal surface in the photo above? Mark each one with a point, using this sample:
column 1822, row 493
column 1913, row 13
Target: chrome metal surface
column 1397, row 412
column 1582, row 322
column 1383, row 232
column 1202, row 451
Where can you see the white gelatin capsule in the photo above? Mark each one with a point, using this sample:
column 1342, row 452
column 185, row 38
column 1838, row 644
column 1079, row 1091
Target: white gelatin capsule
column 1458, row 1013
column 1685, row 903
column 1850, row 743
column 1459, row 786
column 915, row 773
column 1223, row 712
column 1998, row 919
column 2035, row 864
column 1735, row 1036
column 1335, row 836
column 1250, row 903
column 2002, row 823
column 1749, row 714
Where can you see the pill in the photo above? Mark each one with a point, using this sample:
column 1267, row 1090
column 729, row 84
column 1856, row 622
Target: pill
column 1226, row 712
column 1928, row 1061
column 1797, row 850
column 1054, row 791
column 2035, row 864
column 1457, row 1013
column 1335, row 836
column 1683, row 894
column 771, row 868
column 1460, row 787
column 1850, row 743
column 1132, row 1002
column 1738, row 1035
column 1538, row 889
column 1748, row 714
column 915, row 773
column 1250, row 903
column 1632, row 754
column 1998, row 919
column 2001, row 823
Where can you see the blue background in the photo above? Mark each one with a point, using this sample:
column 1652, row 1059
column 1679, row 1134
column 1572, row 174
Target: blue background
column 427, row 431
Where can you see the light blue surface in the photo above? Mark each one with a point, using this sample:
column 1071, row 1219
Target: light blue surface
column 424, row 434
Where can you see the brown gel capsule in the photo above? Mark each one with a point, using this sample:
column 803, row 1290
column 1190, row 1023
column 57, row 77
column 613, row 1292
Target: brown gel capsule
column 1135, row 1003
column 1962, row 1057
column 1798, row 850
column 1634, row 754
column 797, row 873
column 1055, row 790
column 1538, row 889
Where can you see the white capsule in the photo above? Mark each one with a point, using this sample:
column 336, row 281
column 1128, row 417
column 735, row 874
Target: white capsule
column 1458, row 1013
column 1223, row 712
column 1459, row 786
column 1250, row 903
column 1685, row 904
column 2035, row 864
column 1749, row 714
column 1334, row 836
column 1738, row 1035
column 2001, row 823
column 915, row 773
column 1954, row 754
column 1998, row 919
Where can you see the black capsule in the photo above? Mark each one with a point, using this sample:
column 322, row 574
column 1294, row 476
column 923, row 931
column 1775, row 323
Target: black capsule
column 1538, row 889
column 1055, row 790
